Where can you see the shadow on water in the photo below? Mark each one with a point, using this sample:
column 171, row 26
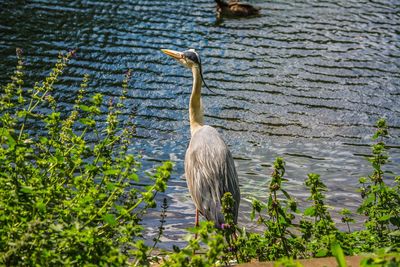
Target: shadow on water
column 305, row 80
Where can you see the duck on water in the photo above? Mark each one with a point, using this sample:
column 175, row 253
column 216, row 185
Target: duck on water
column 234, row 8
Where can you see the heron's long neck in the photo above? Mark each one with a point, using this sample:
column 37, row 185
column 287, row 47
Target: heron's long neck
column 195, row 106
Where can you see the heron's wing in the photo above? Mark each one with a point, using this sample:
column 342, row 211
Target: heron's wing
column 210, row 172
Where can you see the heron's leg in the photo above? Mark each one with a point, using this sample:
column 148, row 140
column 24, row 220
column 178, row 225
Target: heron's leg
column 197, row 218
column 196, row 221
column 196, row 224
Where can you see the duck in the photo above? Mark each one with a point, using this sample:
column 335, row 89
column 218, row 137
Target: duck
column 234, row 8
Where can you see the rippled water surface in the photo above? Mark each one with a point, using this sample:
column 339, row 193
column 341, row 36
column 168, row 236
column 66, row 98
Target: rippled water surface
column 305, row 80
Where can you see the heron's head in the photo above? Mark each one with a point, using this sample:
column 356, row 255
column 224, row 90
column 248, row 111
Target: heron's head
column 188, row 58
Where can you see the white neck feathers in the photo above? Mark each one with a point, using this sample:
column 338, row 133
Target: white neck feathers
column 196, row 113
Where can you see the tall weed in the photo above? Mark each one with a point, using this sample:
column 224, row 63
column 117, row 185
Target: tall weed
column 69, row 191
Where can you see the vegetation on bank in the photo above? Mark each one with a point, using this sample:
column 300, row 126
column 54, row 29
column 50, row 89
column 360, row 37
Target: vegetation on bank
column 314, row 233
column 71, row 194
column 70, row 191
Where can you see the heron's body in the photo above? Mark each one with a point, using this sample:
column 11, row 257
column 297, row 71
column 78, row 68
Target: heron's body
column 236, row 9
column 210, row 172
column 209, row 167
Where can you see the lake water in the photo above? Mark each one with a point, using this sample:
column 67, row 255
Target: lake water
column 305, row 80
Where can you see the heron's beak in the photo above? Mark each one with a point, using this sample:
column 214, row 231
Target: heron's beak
column 172, row 53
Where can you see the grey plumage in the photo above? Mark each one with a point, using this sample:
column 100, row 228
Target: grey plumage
column 209, row 167
column 210, row 172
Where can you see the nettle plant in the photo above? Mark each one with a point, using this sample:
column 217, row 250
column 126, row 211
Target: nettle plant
column 278, row 239
column 381, row 201
column 70, row 194
column 320, row 232
column 69, row 187
column 314, row 233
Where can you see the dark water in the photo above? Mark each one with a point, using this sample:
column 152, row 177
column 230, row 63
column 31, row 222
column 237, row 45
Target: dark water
column 306, row 80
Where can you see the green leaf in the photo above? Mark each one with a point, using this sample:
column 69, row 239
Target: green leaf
column 84, row 108
column 321, row 253
column 119, row 208
column 41, row 206
column 381, row 123
column 286, row 194
column 87, row 121
column 54, row 116
column 384, row 218
column 56, row 227
column 27, row 189
column 269, row 202
column 90, row 167
column 110, row 186
column 112, row 172
column 339, row 255
column 102, row 196
column 345, row 211
column 21, row 113
column 310, row 211
column 395, row 233
column 110, row 219
column 369, row 199
column 134, row 177
column 283, row 214
column 252, row 214
column 362, row 180
column 11, row 141
column 97, row 99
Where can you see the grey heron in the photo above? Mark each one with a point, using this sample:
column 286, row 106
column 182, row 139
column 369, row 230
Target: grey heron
column 209, row 167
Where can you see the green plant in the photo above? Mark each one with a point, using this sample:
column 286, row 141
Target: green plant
column 287, row 262
column 71, row 195
column 339, row 255
column 347, row 218
column 278, row 240
column 321, row 232
column 210, row 253
column 381, row 202
column 384, row 257
column 69, row 188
